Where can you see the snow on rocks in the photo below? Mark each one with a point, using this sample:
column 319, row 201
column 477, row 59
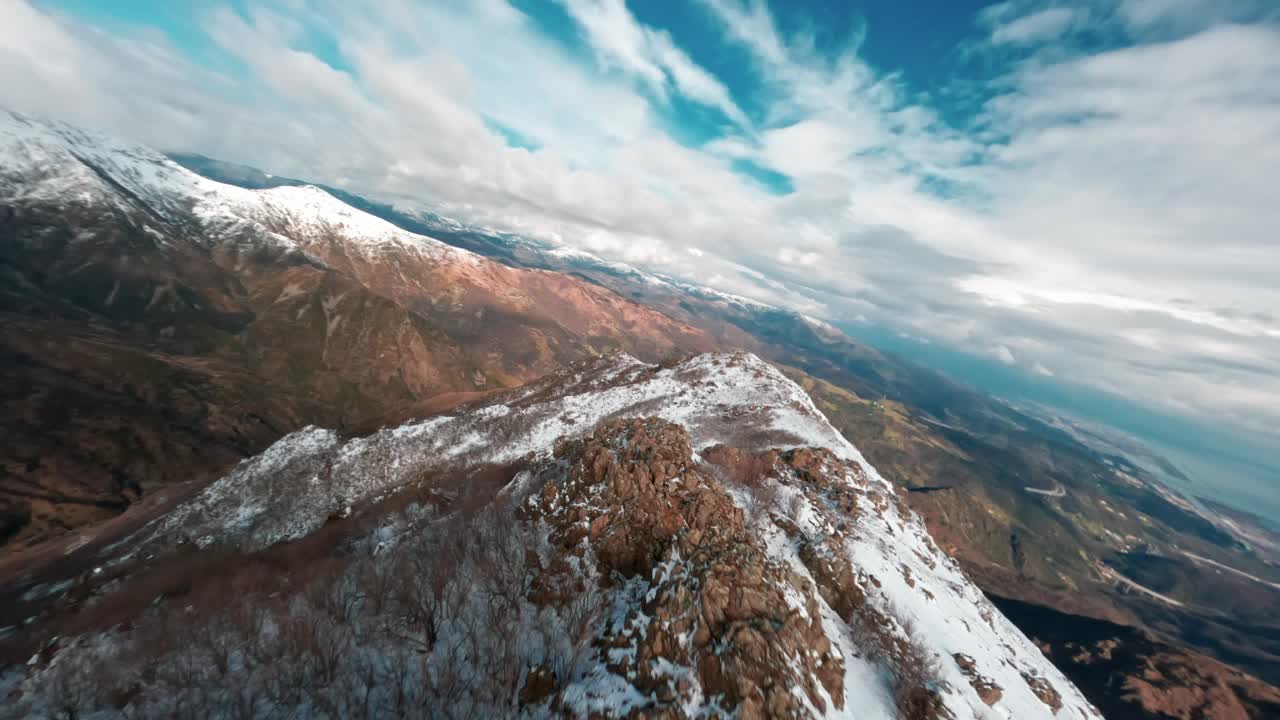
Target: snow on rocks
column 295, row 485
column 858, row 591
column 882, row 574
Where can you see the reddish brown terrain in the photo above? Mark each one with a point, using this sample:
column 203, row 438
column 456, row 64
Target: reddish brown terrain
column 160, row 327
column 1131, row 673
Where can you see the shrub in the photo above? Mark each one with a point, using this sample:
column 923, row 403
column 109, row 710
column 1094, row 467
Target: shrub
column 915, row 673
column 917, row 678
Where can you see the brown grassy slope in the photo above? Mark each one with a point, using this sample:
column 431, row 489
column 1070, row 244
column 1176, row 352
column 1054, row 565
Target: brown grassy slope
column 1131, row 674
column 130, row 362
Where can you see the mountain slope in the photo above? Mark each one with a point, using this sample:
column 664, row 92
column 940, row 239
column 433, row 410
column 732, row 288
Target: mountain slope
column 160, row 325
column 1134, row 674
column 677, row 541
column 970, row 464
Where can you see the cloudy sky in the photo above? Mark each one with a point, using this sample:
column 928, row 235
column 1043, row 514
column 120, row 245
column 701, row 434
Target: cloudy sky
column 1079, row 191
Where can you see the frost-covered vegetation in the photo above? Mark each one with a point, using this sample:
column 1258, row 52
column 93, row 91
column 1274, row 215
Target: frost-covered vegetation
column 432, row 620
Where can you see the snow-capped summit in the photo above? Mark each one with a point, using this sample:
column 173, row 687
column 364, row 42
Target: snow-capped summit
column 54, row 162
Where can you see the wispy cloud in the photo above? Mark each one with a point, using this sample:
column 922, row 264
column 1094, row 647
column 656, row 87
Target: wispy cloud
column 1106, row 217
column 1038, row 26
column 621, row 41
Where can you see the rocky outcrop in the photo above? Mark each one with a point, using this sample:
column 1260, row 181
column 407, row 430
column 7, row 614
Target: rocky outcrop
column 714, row 618
column 986, row 689
column 1044, row 690
column 715, row 607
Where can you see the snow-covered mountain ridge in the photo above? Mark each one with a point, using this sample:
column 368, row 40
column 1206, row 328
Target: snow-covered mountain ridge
column 47, row 161
column 660, row 485
column 716, row 397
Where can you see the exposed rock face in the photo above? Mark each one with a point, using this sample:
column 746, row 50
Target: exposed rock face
column 715, row 617
column 539, row 684
column 1044, row 690
column 986, row 689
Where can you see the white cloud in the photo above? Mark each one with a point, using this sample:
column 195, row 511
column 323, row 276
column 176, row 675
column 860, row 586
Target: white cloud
column 1042, row 25
column 621, row 41
column 1116, row 221
column 1186, row 15
column 997, row 291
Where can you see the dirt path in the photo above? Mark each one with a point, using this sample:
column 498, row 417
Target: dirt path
column 1228, row 568
column 1056, row 492
column 1122, row 580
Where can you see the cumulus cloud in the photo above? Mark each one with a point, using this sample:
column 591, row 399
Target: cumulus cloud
column 1105, row 218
